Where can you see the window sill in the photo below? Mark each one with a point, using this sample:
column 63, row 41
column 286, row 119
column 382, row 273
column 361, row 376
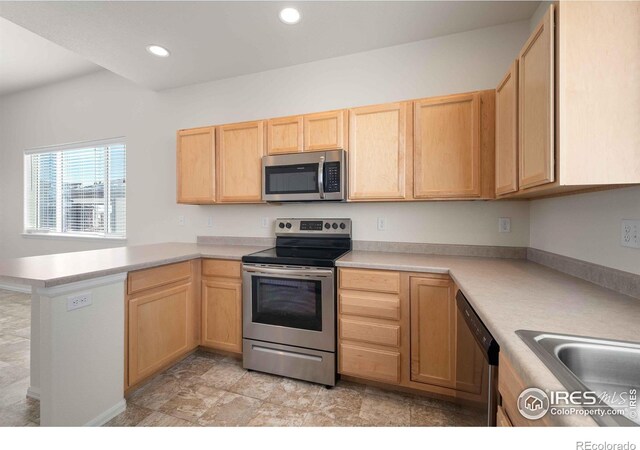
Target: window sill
column 73, row 237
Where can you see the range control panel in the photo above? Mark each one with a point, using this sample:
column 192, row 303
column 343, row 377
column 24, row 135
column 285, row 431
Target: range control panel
column 285, row 227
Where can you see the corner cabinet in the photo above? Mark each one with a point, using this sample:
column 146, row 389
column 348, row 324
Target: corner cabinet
column 536, row 105
column 380, row 152
column 196, row 165
column 578, row 103
column 222, row 305
column 241, row 147
column 507, row 132
column 162, row 309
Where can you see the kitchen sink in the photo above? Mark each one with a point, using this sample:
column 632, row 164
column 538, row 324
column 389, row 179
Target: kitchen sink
column 609, row 368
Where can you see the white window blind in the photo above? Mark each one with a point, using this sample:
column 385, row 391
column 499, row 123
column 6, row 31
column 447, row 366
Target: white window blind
column 77, row 190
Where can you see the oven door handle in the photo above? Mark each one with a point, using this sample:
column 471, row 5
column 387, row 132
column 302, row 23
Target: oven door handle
column 290, row 271
column 321, row 177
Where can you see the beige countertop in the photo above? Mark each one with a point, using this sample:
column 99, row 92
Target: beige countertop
column 64, row 268
column 507, row 294
column 511, row 295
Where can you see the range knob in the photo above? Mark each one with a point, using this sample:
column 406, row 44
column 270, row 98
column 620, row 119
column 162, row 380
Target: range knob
column 334, row 226
column 342, row 226
column 281, row 225
column 288, row 225
column 327, row 225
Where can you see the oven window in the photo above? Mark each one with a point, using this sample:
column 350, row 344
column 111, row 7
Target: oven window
column 293, row 179
column 287, row 303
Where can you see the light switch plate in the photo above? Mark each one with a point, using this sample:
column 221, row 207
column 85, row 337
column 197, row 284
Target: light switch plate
column 630, row 233
column 264, row 222
column 504, row 225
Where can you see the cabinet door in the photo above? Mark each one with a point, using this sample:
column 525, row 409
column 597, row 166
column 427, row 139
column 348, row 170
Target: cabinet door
column 222, row 314
column 325, row 131
column 507, row 132
column 240, row 151
column 536, row 105
column 379, row 151
column 195, row 162
column 470, row 364
column 432, row 331
column 161, row 329
column 447, row 147
column 284, row 135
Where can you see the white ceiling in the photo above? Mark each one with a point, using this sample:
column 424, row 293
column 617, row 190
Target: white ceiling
column 215, row 40
column 28, row 60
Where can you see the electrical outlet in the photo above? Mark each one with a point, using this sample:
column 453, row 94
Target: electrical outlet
column 78, row 301
column 630, row 233
column 181, row 220
column 210, row 222
column 504, row 224
column 264, row 222
column 382, row 223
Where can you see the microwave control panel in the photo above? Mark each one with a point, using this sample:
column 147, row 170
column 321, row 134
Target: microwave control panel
column 332, row 177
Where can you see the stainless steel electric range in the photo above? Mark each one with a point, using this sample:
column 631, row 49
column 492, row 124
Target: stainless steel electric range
column 289, row 300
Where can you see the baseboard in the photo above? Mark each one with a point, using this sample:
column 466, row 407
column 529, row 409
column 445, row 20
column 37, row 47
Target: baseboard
column 16, row 288
column 108, row 414
column 34, row 393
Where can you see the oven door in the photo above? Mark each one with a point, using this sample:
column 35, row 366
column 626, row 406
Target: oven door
column 289, row 305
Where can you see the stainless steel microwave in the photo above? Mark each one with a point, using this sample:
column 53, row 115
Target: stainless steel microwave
column 304, row 177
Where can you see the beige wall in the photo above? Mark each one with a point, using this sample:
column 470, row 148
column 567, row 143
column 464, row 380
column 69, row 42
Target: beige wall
column 587, row 227
column 103, row 105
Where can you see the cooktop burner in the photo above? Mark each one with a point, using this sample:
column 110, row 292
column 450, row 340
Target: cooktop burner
column 306, row 242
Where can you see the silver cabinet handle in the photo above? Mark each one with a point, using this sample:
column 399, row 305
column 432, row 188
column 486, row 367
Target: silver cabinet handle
column 321, row 177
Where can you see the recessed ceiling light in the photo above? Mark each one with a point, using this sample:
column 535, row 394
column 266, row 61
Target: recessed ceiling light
column 158, row 51
column 290, row 16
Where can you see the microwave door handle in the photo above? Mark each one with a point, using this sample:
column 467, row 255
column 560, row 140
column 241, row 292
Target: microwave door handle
column 321, row 177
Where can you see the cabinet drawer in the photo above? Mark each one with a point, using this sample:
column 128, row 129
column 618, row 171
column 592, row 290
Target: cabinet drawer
column 369, row 304
column 369, row 363
column 370, row 280
column 370, row 332
column 158, row 276
column 221, row 268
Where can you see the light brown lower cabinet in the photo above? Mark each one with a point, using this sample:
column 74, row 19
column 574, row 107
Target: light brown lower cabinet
column 509, row 387
column 222, row 314
column 161, row 320
column 222, row 305
column 502, row 420
column 403, row 329
column 433, row 338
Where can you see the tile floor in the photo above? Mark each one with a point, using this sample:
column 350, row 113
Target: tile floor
column 208, row 389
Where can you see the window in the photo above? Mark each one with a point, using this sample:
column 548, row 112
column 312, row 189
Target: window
column 76, row 190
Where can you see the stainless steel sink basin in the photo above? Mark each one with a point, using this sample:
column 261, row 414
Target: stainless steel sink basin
column 608, row 368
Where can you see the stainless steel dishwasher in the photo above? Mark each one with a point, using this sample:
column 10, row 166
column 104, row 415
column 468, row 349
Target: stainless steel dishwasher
column 490, row 350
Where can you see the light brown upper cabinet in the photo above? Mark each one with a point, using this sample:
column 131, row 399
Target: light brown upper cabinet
column 536, row 105
column 447, row 147
column 433, row 331
column 578, row 101
column 241, row 147
column 507, row 132
column 325, row 131
column 195, row 165
column 284, row 135
column 380, row 157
